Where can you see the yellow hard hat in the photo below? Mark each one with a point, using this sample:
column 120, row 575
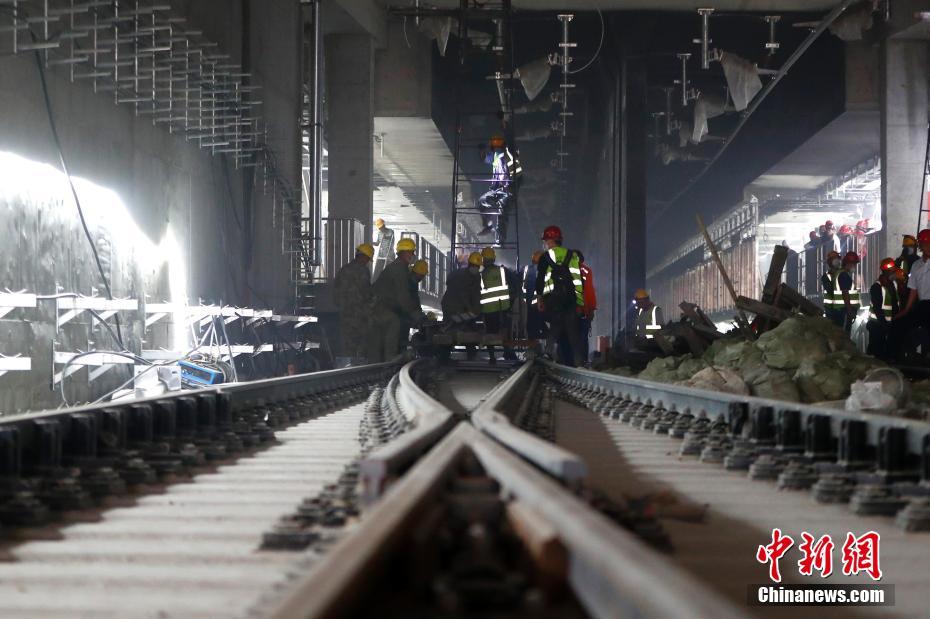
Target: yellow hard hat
column 420, row 267
column 379, row 223
column 641, row 294
column 536, row 256
column 406, row 245
column 474, row 259
column 909, row 241
column 367, row 249
column 488, row 253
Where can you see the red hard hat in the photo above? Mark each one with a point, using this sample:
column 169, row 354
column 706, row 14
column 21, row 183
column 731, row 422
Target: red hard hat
column 828, row 224
column 888, row 266
column 852, row 257
column 846, row 229
column 923, row 236
column 554, row 233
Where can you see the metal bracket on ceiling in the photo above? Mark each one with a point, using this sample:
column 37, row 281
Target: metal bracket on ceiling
column 705, row 39
column 772, row 45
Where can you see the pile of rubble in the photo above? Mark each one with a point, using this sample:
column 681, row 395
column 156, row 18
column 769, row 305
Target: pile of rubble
column 803, row 359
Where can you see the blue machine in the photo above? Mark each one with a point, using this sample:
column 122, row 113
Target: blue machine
column 200, row 374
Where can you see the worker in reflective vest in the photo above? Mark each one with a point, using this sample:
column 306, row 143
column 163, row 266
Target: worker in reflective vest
column 560, row 291
column 649, row 319
column 884, row 305
column 535, row 325
column 840, row 296
column 497, row 285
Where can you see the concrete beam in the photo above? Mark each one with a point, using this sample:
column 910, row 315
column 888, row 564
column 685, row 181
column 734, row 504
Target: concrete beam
column 370, row 16
column 350, row 107
column 903, row 137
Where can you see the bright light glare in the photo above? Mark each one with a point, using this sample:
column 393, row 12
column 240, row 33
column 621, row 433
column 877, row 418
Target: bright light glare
column 35, row 183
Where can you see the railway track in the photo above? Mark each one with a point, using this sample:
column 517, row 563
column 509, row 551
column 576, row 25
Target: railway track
column 437, row 491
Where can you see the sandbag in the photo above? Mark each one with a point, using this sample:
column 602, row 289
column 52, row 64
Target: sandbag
column 719, row 379
column 688, row 367
column 661, row 369
column 775, row 385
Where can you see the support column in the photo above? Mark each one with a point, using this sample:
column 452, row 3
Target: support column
column 904, row 90
column 350, row 125
column 632, row 188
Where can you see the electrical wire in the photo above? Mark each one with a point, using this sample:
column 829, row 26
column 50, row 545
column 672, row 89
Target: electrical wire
column 64, row 168
column 70, row 362
column 150, row 367
column 599, row 46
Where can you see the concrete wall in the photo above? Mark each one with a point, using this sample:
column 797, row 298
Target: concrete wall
column 152, row 200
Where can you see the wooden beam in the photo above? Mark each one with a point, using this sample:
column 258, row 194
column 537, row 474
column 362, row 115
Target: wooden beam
column 790, row 296
column 776, row 268
column 742, row 321
column 762, row 309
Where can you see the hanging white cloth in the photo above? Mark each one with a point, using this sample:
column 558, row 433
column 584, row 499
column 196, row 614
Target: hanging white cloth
column 742, row 79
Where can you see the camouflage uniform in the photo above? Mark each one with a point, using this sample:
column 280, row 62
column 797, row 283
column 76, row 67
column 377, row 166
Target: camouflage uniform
column 354, row 301
column 396, row 304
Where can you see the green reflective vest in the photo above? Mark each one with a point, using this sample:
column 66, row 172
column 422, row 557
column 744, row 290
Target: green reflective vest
column 557, row 255
column 495, row 295
column 889, row 297
column 833, row 296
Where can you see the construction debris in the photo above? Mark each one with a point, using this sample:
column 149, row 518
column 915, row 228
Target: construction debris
column 803, row 359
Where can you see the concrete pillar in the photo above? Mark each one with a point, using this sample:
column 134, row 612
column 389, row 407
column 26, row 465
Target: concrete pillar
column 350, row 125
column 904, row 119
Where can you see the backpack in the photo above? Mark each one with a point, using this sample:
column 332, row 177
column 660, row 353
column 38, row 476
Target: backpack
column 563, row 295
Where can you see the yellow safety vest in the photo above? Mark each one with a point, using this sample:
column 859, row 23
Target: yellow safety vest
column 557, row 255
column 495, row 295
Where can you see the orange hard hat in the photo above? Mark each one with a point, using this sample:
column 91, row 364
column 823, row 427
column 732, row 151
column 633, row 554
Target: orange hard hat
column 851, row 257
column 641, row 294
column 554, row 233
column 908, row 241
column 887, row 265
column 496, row 141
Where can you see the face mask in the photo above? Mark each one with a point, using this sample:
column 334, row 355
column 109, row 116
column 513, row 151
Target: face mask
column 909, row 251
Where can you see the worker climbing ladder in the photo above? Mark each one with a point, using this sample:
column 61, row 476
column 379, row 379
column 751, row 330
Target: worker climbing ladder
column 494, row 178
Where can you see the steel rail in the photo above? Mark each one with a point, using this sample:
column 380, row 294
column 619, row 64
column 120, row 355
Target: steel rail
column 493, row 416
column 335, row 585
column 610, row 571
column 713, row 404
column 22, row 435
column 433, row 421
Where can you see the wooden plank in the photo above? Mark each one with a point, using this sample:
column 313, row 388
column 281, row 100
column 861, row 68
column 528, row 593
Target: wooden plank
column 762, row 309
column 692, row 311
column 742, row 321
column 789, row 295
column 779, row 259
column 541, row 541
